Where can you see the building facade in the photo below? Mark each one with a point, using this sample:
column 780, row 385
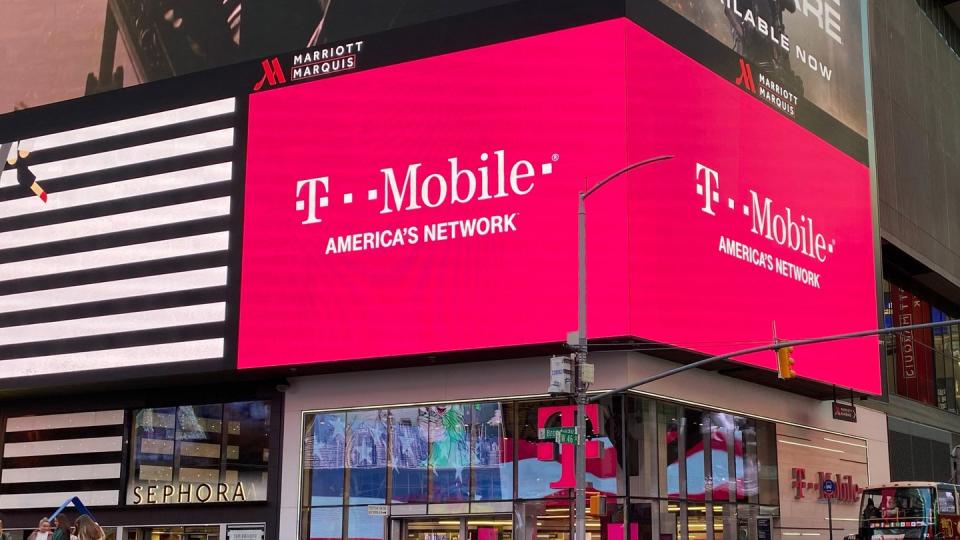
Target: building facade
column 300, row 274
column 458, row 450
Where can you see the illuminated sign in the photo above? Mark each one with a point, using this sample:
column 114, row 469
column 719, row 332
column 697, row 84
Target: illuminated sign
column 846, row 490
column 545, row 450
column 441, row 215
column 138, row 207
column 794, row 54
column 310, row 64
column 185, row 493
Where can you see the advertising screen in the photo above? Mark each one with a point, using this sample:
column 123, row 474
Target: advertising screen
column 809, row 49
column 113, row 242
column 432, row 206
column 53, row 53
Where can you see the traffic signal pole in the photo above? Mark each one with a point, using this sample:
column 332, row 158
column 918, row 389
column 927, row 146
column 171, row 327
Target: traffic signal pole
column 773, row 347
column 580, row 384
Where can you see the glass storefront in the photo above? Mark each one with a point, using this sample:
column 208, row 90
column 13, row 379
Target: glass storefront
column 213, row 453
column 662, row 471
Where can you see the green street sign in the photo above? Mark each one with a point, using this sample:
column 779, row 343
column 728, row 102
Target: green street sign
column 566, row 437
column 553, row 432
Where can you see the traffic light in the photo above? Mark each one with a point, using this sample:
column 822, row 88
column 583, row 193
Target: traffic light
column 596, row 504
column 785, row 363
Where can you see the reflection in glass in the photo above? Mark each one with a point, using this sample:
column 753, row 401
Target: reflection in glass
column 152, row 456
column 325, row 523
column 491, row 455
column 362, row 526
column 466, row 452
column 721, row 435
column 668, row 428
column 366, row 453
column 539, row 462
column 200, row 453
column 449, row 452
column 693, row 428
column 248, row 446
column 727, row 455
column 323, row 458
column 408, row 454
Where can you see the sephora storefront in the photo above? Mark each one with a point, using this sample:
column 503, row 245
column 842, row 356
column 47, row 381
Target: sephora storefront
column 182, row 469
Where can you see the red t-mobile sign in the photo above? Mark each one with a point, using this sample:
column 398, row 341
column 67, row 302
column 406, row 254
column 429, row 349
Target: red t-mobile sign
column 431, row 206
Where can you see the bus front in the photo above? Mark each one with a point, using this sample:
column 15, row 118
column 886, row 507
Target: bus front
column 894, row 513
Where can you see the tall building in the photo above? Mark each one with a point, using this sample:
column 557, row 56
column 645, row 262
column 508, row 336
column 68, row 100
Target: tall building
column 297, row 269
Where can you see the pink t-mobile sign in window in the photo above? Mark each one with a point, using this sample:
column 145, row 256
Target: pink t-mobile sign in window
column 431, row 206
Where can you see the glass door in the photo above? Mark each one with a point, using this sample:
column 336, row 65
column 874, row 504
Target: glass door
column 441, row 528
column 453, row 528
column 493, row 528
column 199, row 532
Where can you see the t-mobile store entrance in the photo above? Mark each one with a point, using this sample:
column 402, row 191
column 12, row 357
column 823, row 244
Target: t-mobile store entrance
column 495, row 527
column 492, row 471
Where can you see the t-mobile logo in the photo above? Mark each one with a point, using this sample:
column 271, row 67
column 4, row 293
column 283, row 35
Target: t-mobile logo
column 780, row 225
column 495, row 177
column 546, row 450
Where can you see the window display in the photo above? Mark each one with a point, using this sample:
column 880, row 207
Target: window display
column 215, row 453
column 483, row 455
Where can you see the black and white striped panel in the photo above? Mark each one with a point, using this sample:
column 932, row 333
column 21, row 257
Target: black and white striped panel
column 126, row 264
column 48, row 459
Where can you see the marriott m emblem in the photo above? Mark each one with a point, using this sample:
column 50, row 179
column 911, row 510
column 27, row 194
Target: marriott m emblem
column 272, row 74
column 746, row 77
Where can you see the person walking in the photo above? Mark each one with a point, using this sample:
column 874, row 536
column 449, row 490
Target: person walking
column 88, row 529
column 43, row 531
column 61, row 528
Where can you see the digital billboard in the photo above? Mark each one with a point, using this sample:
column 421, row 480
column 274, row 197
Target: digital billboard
column 113, row 243
column 808, row 49
column 53, row 53
column 432, row 206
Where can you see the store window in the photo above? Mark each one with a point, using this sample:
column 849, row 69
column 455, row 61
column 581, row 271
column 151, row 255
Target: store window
column 926, row 363
column 687, row 472
column 439, row 454
column 366, row 454
column 213, row 453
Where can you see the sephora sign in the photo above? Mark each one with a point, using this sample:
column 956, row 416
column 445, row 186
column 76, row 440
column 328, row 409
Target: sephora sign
column 432, row 206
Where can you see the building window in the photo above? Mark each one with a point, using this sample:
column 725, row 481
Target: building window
column 430, row 453
column 474, row 457
column 925, row 362
column 200, row 454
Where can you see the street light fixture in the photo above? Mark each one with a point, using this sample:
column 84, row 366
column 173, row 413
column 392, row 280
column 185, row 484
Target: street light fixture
column 580, row 390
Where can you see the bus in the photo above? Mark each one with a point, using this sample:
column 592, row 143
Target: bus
column 908, row 510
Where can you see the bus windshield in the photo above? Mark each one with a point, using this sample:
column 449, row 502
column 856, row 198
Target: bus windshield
column 901, row 512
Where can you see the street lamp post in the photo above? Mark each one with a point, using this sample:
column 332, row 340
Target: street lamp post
column 580, row 390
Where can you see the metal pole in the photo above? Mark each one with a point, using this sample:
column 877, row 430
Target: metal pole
column 772, row 347
column 830, row 514
column 580, row 390
column 581, row 387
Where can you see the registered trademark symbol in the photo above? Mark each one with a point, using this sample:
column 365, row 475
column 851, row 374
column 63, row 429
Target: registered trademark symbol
column 555, row 157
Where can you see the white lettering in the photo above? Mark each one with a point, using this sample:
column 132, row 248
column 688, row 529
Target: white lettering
column 312, row 200
column 390, row 188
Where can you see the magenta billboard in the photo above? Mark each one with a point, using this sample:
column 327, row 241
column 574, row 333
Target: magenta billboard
column 431, row 206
